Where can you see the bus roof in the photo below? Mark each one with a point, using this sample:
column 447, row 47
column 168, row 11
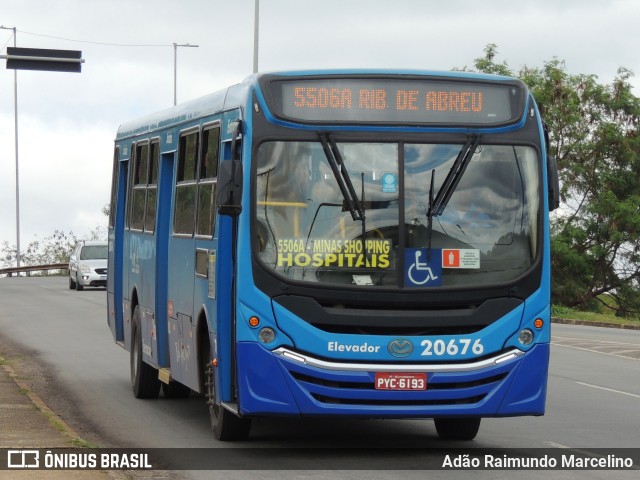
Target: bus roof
column 386, row 72
column 236, row 95
column 226, row 99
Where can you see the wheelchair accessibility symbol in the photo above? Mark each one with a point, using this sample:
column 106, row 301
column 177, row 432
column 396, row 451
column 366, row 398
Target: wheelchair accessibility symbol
column 420, row 272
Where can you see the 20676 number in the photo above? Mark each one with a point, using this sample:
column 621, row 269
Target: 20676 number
column 453, row 347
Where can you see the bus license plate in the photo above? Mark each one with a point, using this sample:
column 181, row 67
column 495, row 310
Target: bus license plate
column 400, row 381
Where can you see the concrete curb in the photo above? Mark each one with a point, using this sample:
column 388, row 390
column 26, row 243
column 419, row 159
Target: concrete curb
column 568, row 321
column 26, row 420
column 55, row 421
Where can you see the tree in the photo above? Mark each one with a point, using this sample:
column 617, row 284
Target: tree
column 55, row 248
column 594, row 135
column 58, row 247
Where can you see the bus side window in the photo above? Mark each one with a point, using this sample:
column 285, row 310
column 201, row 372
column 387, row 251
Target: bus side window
column 152, row 187
column 130, row 184
column 138, row 200
column 186, row 186
column 229, row 196
column 207, row 180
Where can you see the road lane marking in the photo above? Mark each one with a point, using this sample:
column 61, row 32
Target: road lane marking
column 609, row 389
column 584, row 340
column 594, row 351
column 633, row 350
column 557, row 445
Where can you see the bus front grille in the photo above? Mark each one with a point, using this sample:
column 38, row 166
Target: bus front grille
column 358, row 387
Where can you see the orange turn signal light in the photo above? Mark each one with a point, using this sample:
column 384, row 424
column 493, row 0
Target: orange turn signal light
column 254, row 321
column 538, row 323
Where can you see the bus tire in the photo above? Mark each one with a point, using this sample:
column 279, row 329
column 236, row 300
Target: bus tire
column 144, row 378
column 226, row 425
column 457, row 428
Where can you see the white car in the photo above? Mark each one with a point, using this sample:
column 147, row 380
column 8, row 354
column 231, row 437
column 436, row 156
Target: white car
column 88, row 265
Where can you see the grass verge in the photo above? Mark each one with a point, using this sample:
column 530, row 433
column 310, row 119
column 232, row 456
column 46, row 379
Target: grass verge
column 570, row 315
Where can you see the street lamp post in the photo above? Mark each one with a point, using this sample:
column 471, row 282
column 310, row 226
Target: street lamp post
column 34, row 59
column 175, row 68
column 256, row 31
column 15, row 109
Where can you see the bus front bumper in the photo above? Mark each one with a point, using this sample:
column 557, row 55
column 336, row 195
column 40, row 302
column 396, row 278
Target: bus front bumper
column 284, row 382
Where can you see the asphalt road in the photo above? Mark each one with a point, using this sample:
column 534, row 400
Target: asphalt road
column 593, row 396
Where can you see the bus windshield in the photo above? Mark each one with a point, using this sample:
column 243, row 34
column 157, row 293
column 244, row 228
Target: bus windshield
column 306, row 231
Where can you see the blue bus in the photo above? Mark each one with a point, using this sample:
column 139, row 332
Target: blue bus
column 369, row 244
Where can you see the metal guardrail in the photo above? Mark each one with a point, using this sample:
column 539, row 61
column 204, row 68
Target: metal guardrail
column 33, row 268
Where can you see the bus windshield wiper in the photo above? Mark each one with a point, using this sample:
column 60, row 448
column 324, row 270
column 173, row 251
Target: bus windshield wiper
column 355, row 206
column 453, row 177
column 430, row 214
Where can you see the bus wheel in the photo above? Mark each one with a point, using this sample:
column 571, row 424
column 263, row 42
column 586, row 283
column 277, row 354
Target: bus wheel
column 457, row 428
column 144, row 378
column 226, row 425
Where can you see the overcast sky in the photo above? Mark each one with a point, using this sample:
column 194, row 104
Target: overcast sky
column 67, row 121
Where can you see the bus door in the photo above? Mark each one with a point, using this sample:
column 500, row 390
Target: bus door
column 223, row 325
column 129, row 259
column 115, row 268
column 181, row 261
column 197, row 272
column 142, row 240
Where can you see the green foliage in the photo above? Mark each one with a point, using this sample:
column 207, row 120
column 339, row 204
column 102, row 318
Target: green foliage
column 487, row 63
column 53, row 249
column 595, row 135
column 605, row 314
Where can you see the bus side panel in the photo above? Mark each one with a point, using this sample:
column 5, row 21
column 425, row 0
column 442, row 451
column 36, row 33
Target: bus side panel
column 163, row 229
column 182, row 350
column 224, row 327
column 142, row 280
column 181, row 268
column 204, row 294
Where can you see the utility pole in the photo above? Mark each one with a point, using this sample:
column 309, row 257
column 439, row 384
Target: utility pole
column 175, row 68
column 15, row 110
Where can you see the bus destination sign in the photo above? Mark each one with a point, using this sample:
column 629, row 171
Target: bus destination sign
column 397, row 101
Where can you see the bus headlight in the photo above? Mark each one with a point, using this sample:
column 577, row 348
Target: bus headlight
column 525, row 337
column 267, row 335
